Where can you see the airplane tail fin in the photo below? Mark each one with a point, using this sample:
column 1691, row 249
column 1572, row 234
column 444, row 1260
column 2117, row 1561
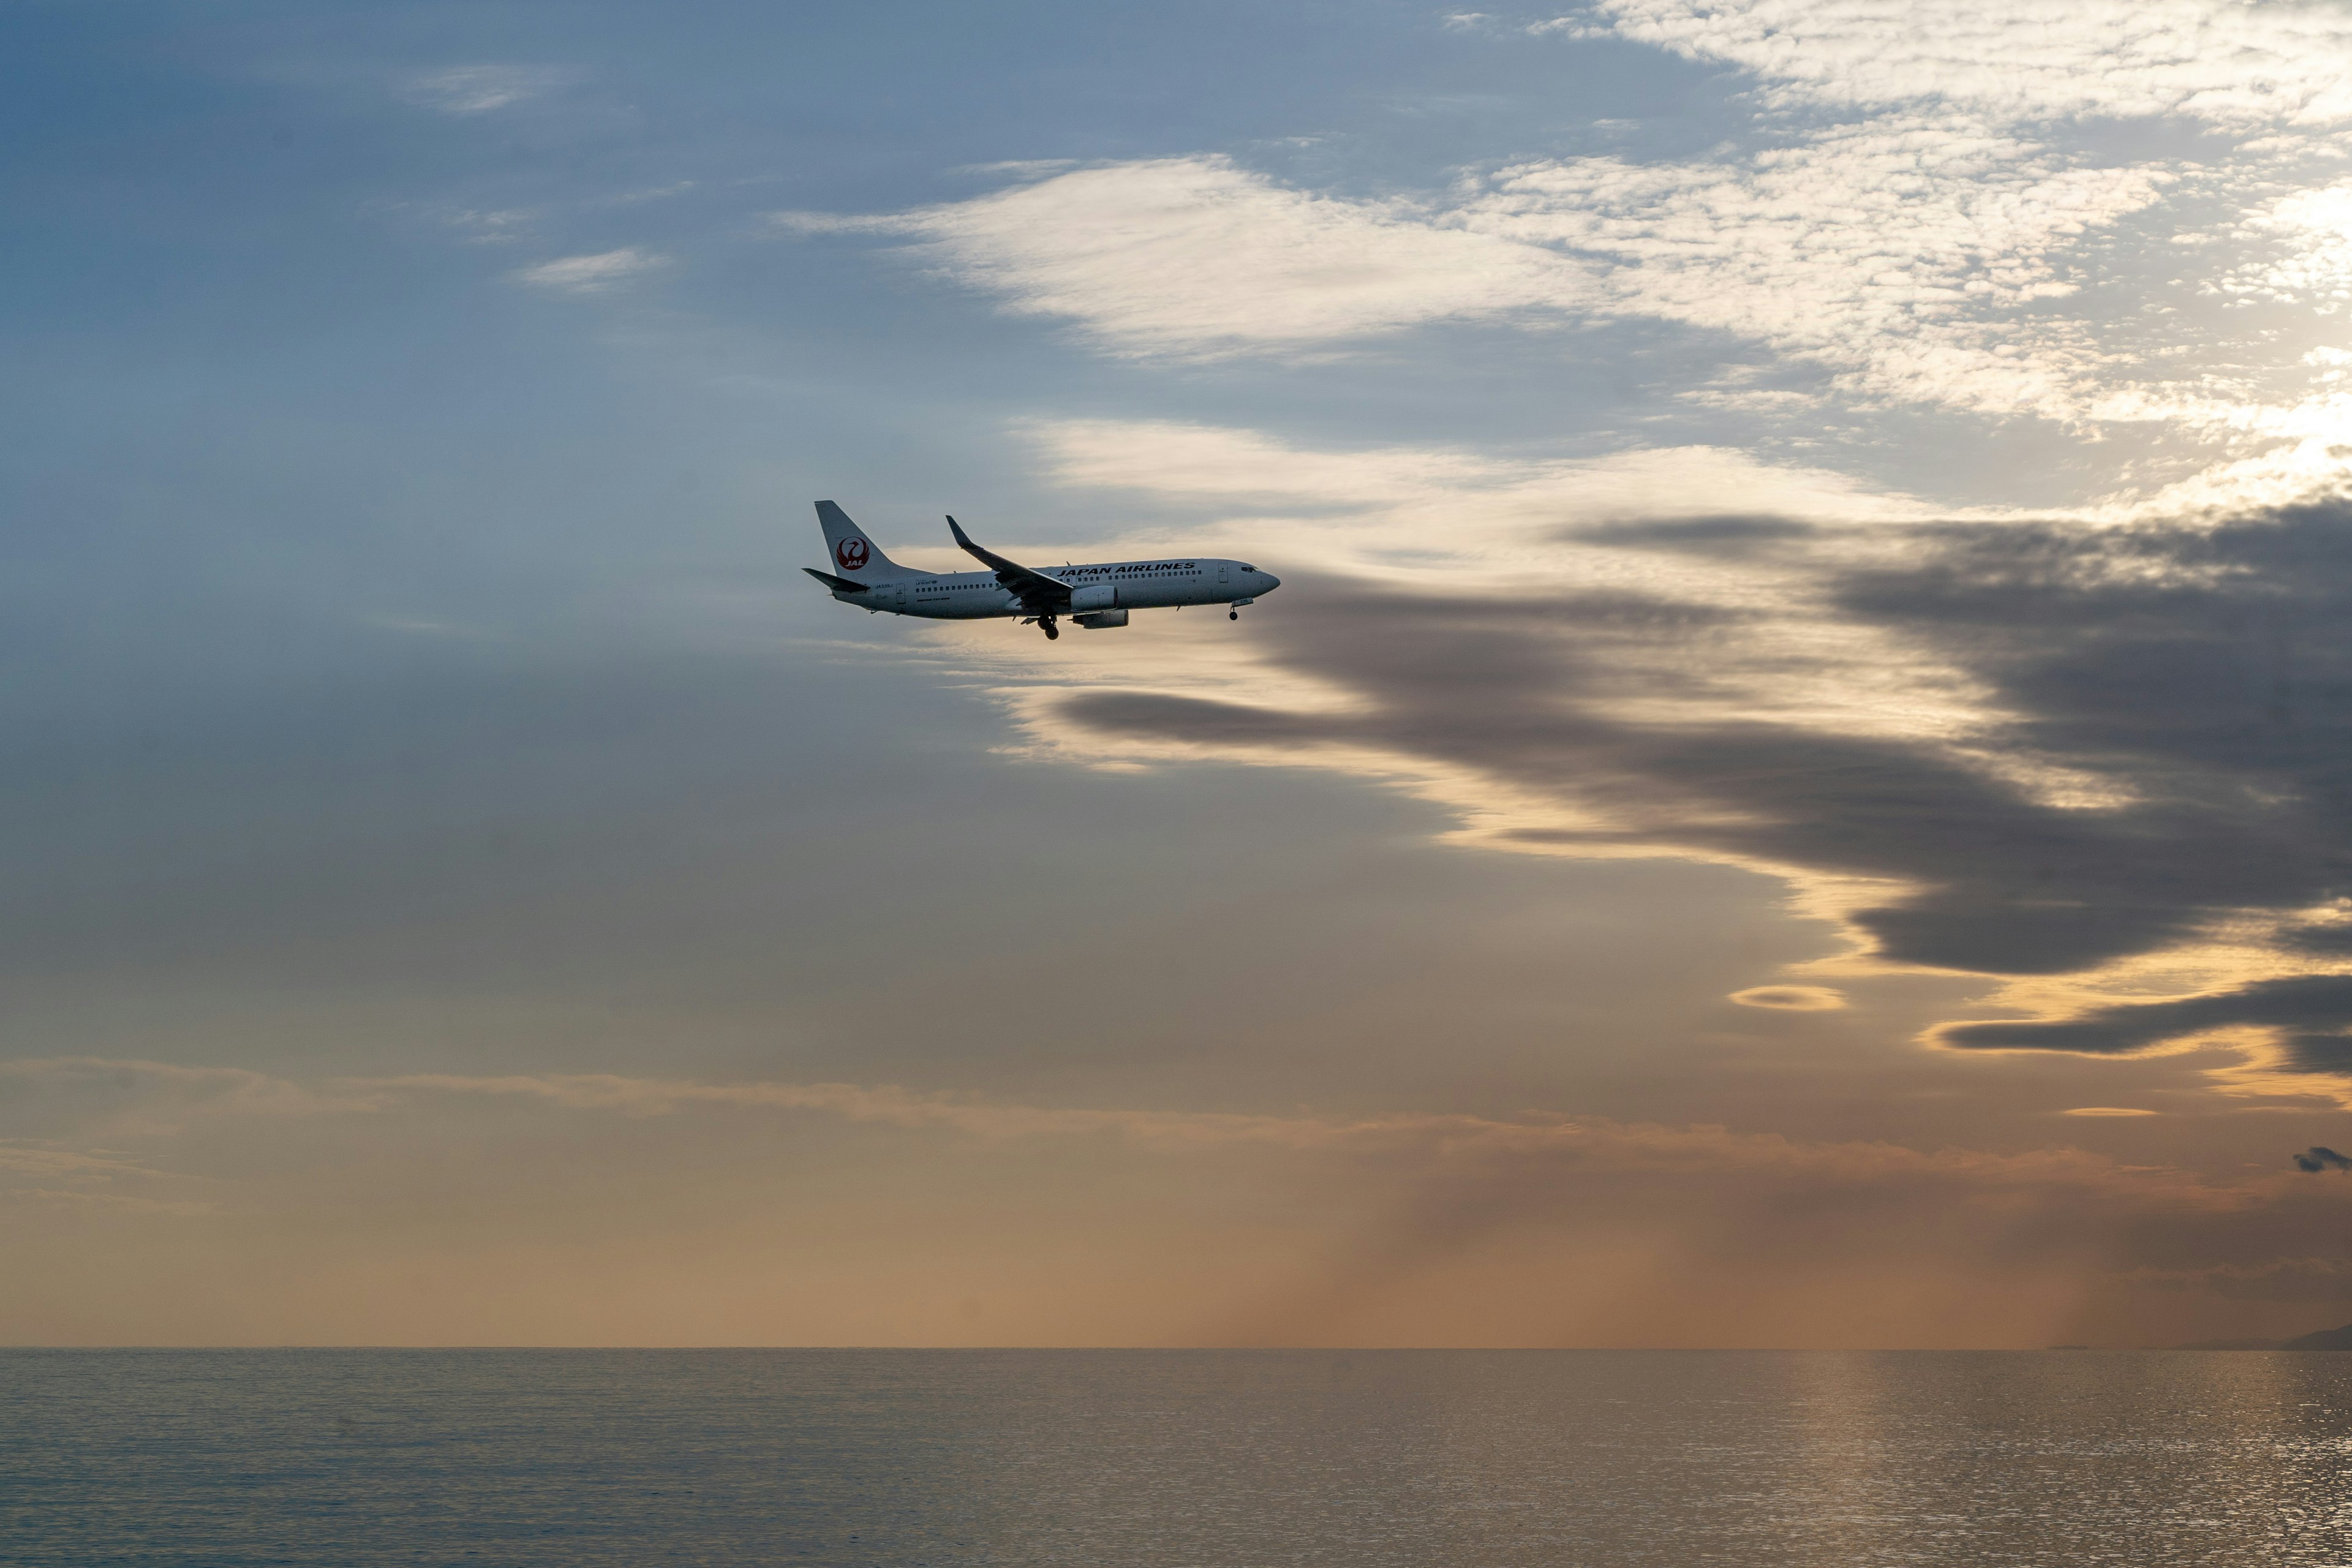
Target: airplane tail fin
column 854, row 554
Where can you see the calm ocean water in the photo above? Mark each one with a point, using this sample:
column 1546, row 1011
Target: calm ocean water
column 1163, row 1457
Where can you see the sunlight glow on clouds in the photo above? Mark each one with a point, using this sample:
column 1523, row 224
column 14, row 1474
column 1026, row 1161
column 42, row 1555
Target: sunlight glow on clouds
column 2011, row 745
column 2314, row 230
column 1790, row 999
column 1717, row 657
column 1845, row 556
column 1429, row 501
column 1900, row 251
column 2232, row 64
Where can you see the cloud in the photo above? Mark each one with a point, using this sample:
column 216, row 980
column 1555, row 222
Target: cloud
column 2289, row 1279
column 1910, row 252
column 977, row 1118
column 2309, row 236
column 1921, row 206
column 2320, row 1157
column 1366, row 506
column 121, row 1203
column 2231, row 64
column 47, row 1173
column 2087, row 759
column 1885, row 249
column 2312, row 1013
column 1197, row 259
column 1813, row 1240
column 1596, row 1144
column 493, row 228
column 593, row 274
column 168, row 1095
column 1920, row 249
column 1918, row 257
column 1623, row 711
column 19, row 1157
column 1790, row 999
column 1447, row 1195
column 479, row 89
column 127, row 1098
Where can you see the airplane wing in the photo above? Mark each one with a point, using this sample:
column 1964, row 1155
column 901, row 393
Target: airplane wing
column 1039, row 594
column 838, row 584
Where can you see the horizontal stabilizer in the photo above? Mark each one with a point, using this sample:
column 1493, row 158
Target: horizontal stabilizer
column 838, row 584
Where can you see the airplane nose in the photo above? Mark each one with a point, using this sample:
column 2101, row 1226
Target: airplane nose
column 1272, row 581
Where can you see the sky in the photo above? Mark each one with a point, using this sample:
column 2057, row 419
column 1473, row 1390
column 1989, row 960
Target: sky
column 1795, row 793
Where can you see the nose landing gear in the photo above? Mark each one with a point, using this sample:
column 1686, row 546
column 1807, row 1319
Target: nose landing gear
column 1232, row 614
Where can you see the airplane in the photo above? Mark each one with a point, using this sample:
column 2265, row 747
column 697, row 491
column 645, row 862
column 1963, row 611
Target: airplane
column 1094, row 596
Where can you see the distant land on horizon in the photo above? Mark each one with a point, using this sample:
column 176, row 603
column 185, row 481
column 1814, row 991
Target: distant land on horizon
column 2321, row 1340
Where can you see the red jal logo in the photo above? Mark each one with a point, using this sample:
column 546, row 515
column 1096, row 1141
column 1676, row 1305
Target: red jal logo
column 851, row 553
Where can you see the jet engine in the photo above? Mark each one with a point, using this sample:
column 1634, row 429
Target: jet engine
column 1095, row 620
column 1095, row 596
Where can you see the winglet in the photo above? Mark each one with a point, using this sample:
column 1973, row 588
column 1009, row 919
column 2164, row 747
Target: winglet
column 987, row 557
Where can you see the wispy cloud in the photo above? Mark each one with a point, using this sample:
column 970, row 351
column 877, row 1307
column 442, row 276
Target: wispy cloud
column 1198, row 258
column 130, row 1098
column 158, row 1101
column 1594, row 1144
column 23, row 1158
column 593, row 274
column 48, row 1173
column 1433, row 1195
column 1790, row 999
column 897, row 1107
column 1378, row 497
column 481, row 89
column 2289, row 1279
column 494, row 227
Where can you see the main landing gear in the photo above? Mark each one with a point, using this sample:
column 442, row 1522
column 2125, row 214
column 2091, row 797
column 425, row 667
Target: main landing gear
column 1052, row 631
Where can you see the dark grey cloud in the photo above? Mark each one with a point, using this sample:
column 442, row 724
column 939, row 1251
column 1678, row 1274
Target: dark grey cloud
column 2312, row 1013
column 1716, row 533
column 2197, row 674
column 2320, row 1157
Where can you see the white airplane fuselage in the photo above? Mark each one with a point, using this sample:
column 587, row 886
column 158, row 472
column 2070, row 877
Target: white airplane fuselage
column 1095, row 596
column 1094, row 588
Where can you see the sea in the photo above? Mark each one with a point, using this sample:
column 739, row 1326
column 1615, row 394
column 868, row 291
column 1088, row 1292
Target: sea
column 1611, row 1458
